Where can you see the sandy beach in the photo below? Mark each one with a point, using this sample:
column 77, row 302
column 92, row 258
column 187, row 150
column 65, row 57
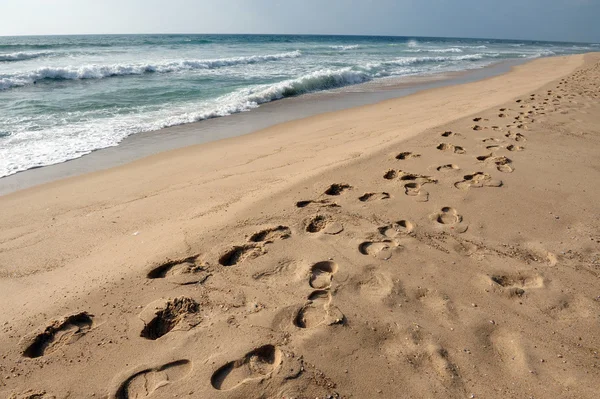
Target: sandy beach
column 444, row 244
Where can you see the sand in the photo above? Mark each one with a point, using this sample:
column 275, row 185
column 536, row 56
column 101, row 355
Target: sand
column 440, row 245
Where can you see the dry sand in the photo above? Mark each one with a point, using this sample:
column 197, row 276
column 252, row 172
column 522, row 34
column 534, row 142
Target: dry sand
column 441, row 245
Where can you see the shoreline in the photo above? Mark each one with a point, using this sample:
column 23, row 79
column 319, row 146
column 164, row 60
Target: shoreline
column 140, row 145
column 442, row 242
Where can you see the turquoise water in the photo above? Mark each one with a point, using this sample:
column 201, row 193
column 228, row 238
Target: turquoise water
column 62, row 97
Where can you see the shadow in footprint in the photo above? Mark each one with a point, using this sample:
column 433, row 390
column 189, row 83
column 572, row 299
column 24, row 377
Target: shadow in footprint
column 182, row 271
column 337, row 189
column 449, row 220
column 240, row 253
column 321, row 274
column 255, row 365
column 382, row 250
column 57, row 334
column 318, row 311
column 271, row 235
column 477, row 180
column 159, row 320
column 407, row 155
column 322, row 223
column 367, row 197
column 146, row 382
column 451, row 148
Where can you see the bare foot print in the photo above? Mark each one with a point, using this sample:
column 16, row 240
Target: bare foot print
column 162, row 316
column 515, row 136
column 318, row 311
column 382, row 250
column 477, row 180
column 182, row 271
column 416, row 190
column 451, row 148
column 367, row 197
column 304, row 204
column 57, row 334
column 515, row 148
column 449, row 134
column 322, row 223
column 146, row 382
column 255, row 365
column 516, row 284
column 321, row 274
column 447, row 168
column 407, row 155
column 402, row 227
column 337, row 189
column 271, row 235
column 448, row 219
column 502, row 163
column 240, row 253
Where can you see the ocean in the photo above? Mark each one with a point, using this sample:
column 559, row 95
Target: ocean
column 62, row 97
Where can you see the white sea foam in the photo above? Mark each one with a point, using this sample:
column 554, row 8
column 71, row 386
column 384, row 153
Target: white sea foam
column 435, row 50
column 57, row 144
column 345, row 48
column 104, row 71
column 21, row 56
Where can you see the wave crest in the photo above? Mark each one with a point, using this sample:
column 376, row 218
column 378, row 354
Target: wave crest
column 106, row 71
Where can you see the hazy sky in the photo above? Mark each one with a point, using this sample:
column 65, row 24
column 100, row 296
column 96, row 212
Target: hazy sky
column 568, row 20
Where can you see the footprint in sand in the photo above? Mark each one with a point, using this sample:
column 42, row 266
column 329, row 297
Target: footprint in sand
column 476, row 119
column 451, row 148
column 402, row 227
column 502, row 163
column 318, row 311
column 515, row 136
column 415, row 186
column 304, row 204
column 255, row 365
column 516, row 284
column 382, row 250
column 271, row 235
column 146, row 382
column 390, row 174
column 56, row 335
column 321, row 274
column 477, row 180
column 407, row 155
column 163, row 316
column 367, row 197
column 515, row 148
column 182, row 271
column 239, row 253
column 337, row 189
column 322, row 223
column 447, row 168
column 448, row 134
column 415, row 190
column 449, row 220
column 477, row 128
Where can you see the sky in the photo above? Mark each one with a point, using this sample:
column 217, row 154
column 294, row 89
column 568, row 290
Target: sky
column 560, row 20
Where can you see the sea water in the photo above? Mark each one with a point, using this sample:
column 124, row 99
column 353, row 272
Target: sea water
column 62, row 97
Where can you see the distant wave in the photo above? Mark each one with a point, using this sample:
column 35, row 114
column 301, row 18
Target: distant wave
column 21, row 56
column 345, row 48
column 435, row 50
column 105, row 71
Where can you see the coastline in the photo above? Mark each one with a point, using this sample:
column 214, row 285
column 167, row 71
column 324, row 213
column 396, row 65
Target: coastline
column 407, row 298
column 140, row 145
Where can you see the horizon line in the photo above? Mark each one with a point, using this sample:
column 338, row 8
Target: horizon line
column 292, row 34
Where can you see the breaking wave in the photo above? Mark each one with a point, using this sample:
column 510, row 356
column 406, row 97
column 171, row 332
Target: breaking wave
column 106, row 71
